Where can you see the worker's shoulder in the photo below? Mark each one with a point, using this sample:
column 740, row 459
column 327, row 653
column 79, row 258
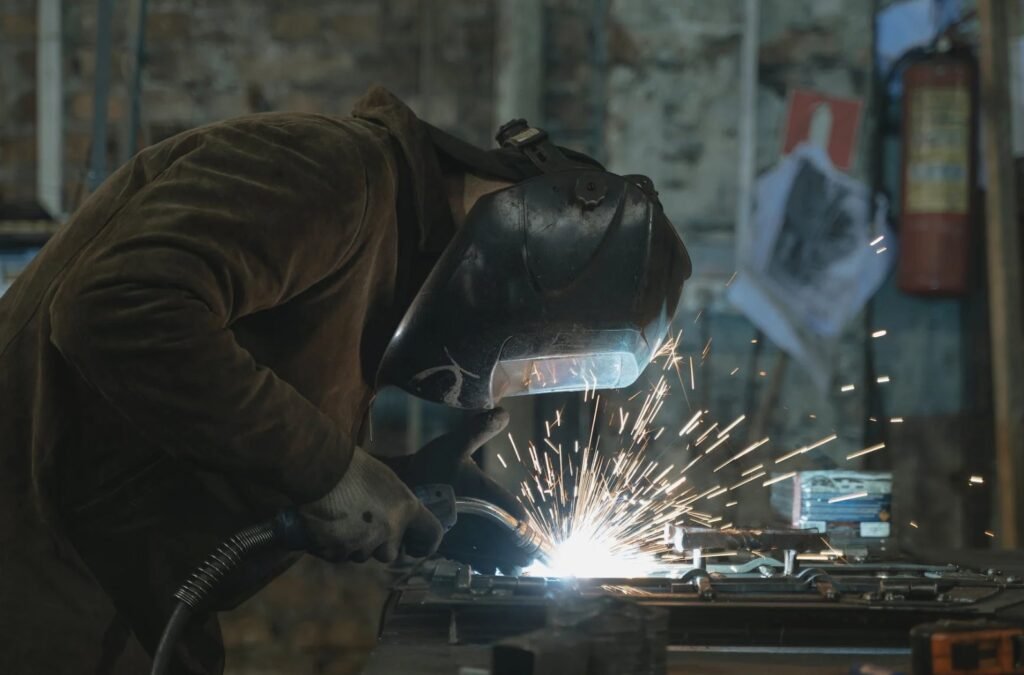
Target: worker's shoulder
column 306, row 131
column 298, row 141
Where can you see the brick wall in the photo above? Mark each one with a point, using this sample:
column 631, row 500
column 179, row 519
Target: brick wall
column 18, row 98
column 211, row 59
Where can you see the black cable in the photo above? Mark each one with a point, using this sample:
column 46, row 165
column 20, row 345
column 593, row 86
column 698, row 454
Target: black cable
column 169, row 640
column 205, row 579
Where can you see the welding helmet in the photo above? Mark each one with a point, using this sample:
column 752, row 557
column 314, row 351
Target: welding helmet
column 565, row 281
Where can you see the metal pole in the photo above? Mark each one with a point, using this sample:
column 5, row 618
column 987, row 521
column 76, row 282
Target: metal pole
column 135, row 117
column 747, row 125
column 518, row 92
column 519, row 61
column 101, row 94
column 49, row 109
column 599, row 102
column 1004, row 273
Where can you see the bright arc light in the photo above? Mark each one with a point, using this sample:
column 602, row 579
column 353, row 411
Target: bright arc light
column 583, row 556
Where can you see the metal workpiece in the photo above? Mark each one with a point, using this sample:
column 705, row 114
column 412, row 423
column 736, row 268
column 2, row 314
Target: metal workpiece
column 527, row 537
column 698, row 540
column 830, row 604
column 704, row 538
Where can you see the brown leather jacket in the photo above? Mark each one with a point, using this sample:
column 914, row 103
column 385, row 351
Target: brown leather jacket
column 196, row 348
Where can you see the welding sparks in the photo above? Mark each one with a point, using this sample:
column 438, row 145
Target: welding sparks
column 692, row 424
column 717, row 443
column 603, row 514
column 807, row 448
column 913, row 524
column 513, row 442
column 865, row 451
column 779, row 479
column 846, row 498
column 732, row 425
column 742, row 453
column 750, row 479
column 990, row 534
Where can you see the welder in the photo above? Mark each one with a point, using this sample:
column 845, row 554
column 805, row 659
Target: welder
column 199, row 346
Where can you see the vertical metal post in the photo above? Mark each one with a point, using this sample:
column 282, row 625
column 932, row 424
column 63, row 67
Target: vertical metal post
column 135, row 115
column 1004, row 269
column 519, row 61
column 599, row 62
column 101, row 95
column 748, row 124
column 49, row 109
column 519, row 92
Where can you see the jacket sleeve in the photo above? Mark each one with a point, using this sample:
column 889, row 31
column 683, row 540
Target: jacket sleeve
column 249, row 217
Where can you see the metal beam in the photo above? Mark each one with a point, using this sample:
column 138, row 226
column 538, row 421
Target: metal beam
column 519, row 62
column 101, row 95
column 49, row 109
column 1004, row 269
column 518, row 92
column 747, row 166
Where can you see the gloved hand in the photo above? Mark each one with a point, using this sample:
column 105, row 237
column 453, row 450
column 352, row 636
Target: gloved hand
column 370, row 512
column 482, row 544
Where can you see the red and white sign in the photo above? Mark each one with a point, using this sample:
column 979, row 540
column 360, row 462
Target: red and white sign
column 827, row 121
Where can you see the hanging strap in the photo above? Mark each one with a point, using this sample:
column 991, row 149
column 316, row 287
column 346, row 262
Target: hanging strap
column 536, row 146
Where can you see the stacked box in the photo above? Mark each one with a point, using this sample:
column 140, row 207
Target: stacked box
column 862, row 520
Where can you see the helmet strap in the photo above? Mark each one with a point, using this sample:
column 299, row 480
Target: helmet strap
column 535, row 146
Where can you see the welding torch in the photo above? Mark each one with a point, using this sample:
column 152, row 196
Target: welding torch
column 287, row 529
column 532, row 542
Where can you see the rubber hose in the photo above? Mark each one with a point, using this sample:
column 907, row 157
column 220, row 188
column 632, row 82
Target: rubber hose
column 203, row 581
column 172, row 632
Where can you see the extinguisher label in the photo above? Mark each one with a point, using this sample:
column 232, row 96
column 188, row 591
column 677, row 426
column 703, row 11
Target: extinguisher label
column 938, row 150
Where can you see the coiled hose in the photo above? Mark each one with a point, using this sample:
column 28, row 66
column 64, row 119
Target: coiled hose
column 286, row 528
column 206, row 578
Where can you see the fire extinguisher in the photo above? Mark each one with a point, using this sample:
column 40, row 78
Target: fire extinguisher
column 938, row 170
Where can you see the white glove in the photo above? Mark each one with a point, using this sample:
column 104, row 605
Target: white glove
column 370, row 512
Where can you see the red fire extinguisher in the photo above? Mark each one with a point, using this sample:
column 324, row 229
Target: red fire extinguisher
column 939, row 109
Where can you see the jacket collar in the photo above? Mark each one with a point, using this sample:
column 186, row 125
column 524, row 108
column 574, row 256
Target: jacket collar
column 430, row 201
